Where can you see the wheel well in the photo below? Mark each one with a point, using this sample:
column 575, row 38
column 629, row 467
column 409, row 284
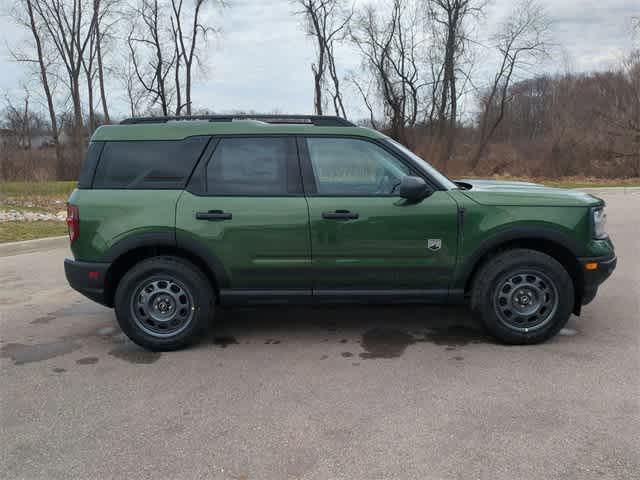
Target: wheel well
column 124, row 262
column 562, row 254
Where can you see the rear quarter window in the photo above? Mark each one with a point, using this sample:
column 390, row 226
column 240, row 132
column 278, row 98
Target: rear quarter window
column 89, row 165
column 148, row 164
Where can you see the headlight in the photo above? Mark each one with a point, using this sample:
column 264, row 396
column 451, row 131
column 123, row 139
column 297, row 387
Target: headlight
column 599, row 222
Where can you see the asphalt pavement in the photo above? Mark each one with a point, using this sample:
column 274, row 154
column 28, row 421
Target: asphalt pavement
column 319, row 393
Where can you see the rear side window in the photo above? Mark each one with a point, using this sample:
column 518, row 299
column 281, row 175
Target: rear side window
column 252, row 166
column 89, row 165
column 148, row 164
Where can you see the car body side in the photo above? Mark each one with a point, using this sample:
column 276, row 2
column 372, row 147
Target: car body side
column 121, row 228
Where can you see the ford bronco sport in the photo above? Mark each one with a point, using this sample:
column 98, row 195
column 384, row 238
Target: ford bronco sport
column 174, row 216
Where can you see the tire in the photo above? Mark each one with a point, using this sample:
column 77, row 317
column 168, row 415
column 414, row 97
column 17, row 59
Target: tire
column 522, row 296
column 164, row 303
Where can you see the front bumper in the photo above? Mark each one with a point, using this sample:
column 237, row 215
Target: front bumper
column 593, row 278
column 88, row 278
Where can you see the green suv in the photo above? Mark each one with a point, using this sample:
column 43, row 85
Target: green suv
column 175, row 216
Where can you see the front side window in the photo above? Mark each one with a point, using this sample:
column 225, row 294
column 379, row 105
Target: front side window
column 250, row 166
column 348, row 166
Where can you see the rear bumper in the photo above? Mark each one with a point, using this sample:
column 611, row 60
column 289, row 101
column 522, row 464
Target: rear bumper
column 592, row 279
column 88, row 278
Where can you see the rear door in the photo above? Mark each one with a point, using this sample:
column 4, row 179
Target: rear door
column 245, row 206
column 364, row 236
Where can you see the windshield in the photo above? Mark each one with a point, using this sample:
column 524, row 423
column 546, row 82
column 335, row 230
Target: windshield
column 444, row 181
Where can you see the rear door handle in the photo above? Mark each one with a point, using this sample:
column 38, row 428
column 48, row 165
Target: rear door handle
column 213, row 215
column 340, row 215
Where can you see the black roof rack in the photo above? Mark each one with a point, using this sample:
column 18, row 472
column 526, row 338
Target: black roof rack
column 317, row 120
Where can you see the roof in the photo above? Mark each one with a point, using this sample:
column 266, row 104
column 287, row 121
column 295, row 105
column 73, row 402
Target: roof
column 177, row 130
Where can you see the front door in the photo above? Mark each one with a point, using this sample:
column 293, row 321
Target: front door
column 250, row 214
column 364, row 236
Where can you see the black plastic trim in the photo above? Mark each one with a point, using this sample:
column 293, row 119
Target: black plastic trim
column 77, row 274
column 186, row 241
column 466, row 268
column 148, row 239
column 336, row 296
column 592, row 279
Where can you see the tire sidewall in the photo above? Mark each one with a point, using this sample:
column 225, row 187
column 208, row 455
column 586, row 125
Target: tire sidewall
column 186, row 274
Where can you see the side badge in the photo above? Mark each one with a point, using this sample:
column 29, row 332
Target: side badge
column 434, row 244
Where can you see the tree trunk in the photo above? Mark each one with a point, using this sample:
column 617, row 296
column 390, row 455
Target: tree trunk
column 60, row 164
column 103, row 96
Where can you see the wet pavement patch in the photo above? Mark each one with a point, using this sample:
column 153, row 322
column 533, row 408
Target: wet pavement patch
column 454, row 336
column 132, row 353
column 324, row 357
column 87, row 361
column 105, row 331
column 21, row 353
column 42, row 320
column 224, row 342
column 391, row 343
column 385, row 343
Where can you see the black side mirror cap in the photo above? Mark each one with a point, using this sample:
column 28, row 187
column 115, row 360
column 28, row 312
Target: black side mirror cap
column 414, row 188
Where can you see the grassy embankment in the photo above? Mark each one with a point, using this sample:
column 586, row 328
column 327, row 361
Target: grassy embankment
column 36, row 198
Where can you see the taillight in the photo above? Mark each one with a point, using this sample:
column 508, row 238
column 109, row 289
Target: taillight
column 73, row 222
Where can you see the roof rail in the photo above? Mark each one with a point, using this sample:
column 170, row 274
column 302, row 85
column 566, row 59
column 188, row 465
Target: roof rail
column 317, row 120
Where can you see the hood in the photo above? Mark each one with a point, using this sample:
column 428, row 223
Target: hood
column 495, row 192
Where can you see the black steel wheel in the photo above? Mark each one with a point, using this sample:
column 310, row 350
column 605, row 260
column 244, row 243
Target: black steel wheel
column 526, row 300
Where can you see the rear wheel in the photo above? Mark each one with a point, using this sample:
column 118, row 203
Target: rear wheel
column 164, row 303
column 523, row 296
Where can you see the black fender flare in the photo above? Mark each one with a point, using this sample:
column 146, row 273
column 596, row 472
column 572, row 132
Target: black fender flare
column 179, row 240
column 468, row 264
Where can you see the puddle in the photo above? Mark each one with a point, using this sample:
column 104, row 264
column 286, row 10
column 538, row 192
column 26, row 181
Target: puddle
column 21, row 354
column 272, row 342
column 391, row 343
column 347, row 354
column 59, row 370
column 224, row 342
column 385, row 343
column 87, row 361
column 132, row 353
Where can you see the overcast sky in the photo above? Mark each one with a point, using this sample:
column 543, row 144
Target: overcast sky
column 262, row 59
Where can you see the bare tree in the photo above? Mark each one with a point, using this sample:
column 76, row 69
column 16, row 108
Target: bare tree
column 104, row 22
column 522, row 40
column 34, row 23
column 187, row 42
column 391, row 48
column 449, row 18
column 152, row 64
column 326, row 22
column 70, row 27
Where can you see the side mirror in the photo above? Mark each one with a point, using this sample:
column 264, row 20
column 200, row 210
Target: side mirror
column 414, row 188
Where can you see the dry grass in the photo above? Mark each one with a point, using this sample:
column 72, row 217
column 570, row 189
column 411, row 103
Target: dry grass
column 15, row 231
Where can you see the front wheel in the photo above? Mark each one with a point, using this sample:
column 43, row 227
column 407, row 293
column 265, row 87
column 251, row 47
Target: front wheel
column 164, row 303
column 523, row 296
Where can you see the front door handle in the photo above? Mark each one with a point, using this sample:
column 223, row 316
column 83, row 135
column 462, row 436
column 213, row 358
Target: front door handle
column 213, row 215
column 340, row 215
